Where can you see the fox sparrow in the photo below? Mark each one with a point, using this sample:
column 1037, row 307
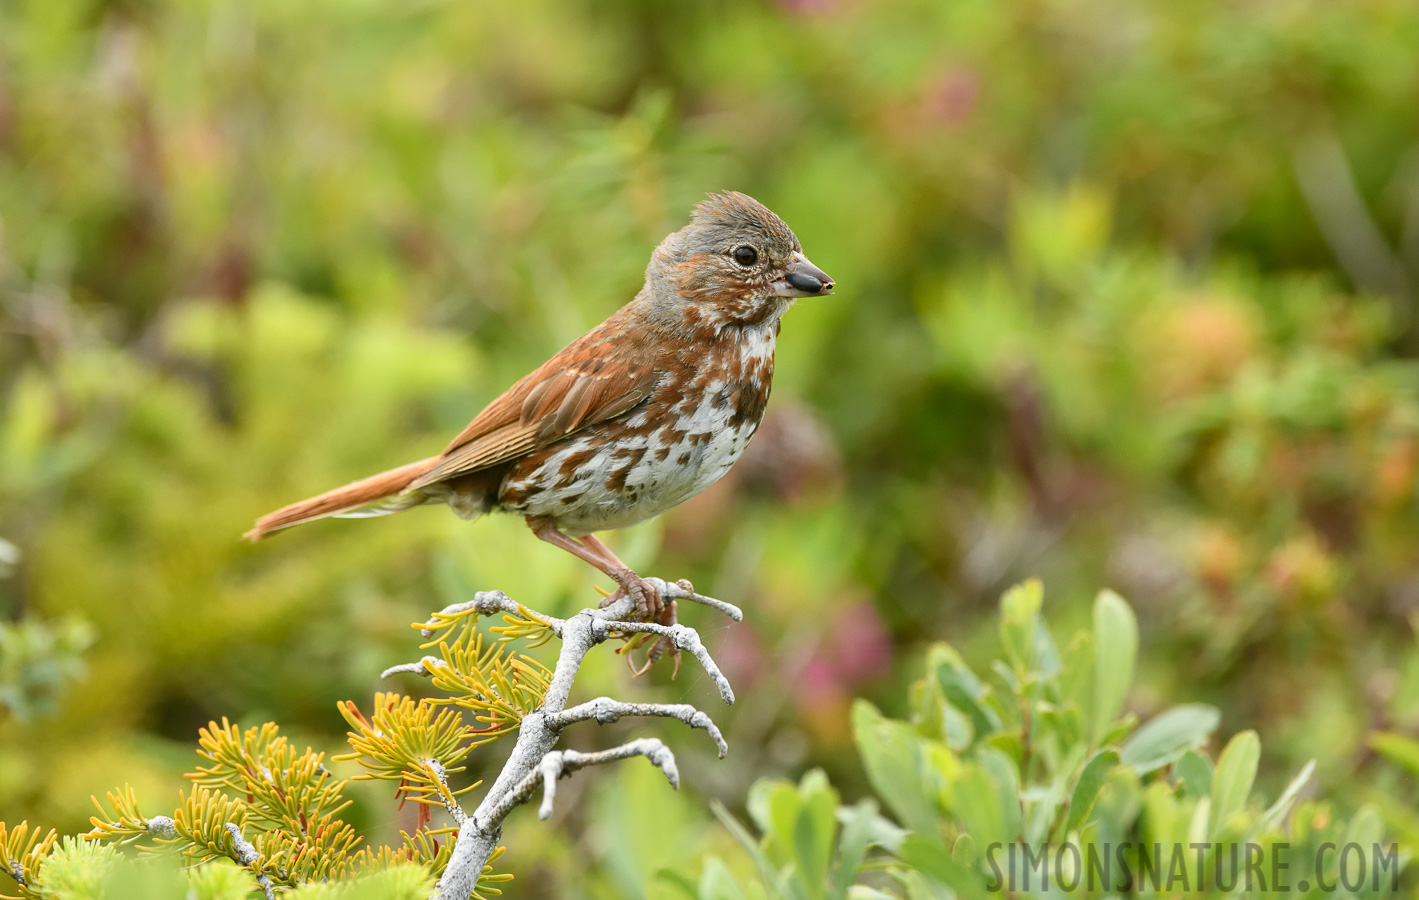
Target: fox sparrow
column 639, row 414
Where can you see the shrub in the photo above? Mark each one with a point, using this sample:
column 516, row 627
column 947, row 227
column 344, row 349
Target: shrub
column 1032, row 779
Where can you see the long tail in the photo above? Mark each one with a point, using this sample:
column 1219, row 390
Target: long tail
column 354, row 499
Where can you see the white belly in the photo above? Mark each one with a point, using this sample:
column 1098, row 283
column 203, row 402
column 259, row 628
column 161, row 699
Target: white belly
column 640, row 476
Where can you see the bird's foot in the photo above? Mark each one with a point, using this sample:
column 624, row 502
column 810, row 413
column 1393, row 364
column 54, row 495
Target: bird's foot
column 649, row 603
column 662, row 643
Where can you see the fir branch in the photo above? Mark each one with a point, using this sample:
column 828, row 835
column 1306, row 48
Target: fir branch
column 401, row 735
column 22, row 853
column 497, row 686
column 282, row 787
column 534, row 759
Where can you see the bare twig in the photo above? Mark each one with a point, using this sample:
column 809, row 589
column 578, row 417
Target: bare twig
column 162, row 827
column 485, row 603
column 450, row 803
column 682, row 637
column 534, row 759
column 561, row 763
column 606, row 710
column 423, row 668
column 246, row 855
column 683, row 590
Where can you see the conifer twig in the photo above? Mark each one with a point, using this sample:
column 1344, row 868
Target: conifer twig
column 534, row 759
column 445, row 793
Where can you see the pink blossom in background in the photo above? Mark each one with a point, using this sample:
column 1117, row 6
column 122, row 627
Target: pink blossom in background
column 858, row 645
column 740, row 654
column 950, row 98
column 807, row 7
column 855, row 650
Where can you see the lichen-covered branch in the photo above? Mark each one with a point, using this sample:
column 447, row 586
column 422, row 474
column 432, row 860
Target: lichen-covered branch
column 561, row 763
column 606, row 710
column 681, row 637
column 246, row 855
column 534, row 759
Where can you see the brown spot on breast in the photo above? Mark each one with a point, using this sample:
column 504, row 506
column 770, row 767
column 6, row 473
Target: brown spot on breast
column 683, row 459
column 573, row 462
column 662, row 453
column 671, row 435
column 749, row 404
column 634, row 454
column 617, row 480
column 702, row 437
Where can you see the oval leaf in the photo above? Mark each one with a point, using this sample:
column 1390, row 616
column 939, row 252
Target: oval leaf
column 1115, row 658
column 1231, row 783
column 1168, row 736
column 1086, row 789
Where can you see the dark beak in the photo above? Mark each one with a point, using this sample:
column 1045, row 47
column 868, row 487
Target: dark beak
column 803, row 279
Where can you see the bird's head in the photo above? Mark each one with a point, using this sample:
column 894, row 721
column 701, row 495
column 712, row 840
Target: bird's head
column 736, row 262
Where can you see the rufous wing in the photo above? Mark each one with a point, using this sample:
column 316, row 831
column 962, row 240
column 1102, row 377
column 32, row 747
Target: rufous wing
column 575, row 389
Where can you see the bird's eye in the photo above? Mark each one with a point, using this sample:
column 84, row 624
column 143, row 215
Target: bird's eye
column 746, row 255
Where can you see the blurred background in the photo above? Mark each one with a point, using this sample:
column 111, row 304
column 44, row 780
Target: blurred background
column 1127, row 299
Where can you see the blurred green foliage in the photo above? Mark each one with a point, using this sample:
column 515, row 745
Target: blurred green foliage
column 1127, row 298
column 1005, row 792
column 81, row 870
column 1032, row 757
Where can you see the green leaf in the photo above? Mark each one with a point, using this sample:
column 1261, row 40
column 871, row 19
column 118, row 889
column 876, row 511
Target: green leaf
column 893, row 755
column 1019, row 622
column 815, row 826
column 927, row 856
column 1366, row 827
column 852, row 848
column 687, row 888
column 962, row 688
column 717, row 882
column 1115, row 658
column 1168, row 735
column 986, row 797
column 956, row 728
column 1163, row 818
column 1086, row 789
column 1232, row 782
column 1009, row 743
column 1278, row 810
column 1397, row 748
column 799, row 823
column 1065, row 724
column 936, row 716
column 1075, row 684
column 751, row 846
column 1194, row 770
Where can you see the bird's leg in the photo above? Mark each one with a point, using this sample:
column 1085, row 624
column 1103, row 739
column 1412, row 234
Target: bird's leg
column 648, row 601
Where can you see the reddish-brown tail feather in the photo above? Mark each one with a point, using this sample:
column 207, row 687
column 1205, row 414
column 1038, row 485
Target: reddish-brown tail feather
column 345, row 499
